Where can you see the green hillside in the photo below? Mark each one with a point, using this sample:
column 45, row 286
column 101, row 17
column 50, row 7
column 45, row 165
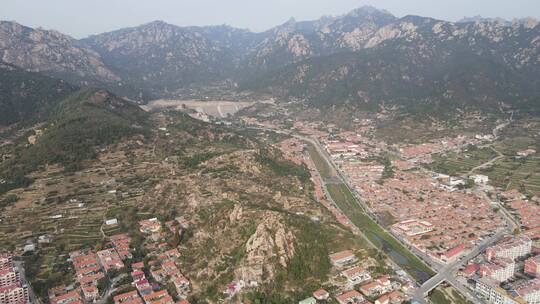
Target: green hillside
column 78, row 125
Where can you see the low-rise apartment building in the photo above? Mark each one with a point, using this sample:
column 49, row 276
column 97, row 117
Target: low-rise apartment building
column 532, row 266
column 512, row 248
column 499, row 270
column 530, row 291
column 14, row 294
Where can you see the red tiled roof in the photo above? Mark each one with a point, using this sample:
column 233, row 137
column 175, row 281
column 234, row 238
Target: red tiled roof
column 454, row 251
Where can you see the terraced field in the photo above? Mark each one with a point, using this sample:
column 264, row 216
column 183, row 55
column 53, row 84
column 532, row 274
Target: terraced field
column 510, row 173
column 72, row 208
column 460, row 163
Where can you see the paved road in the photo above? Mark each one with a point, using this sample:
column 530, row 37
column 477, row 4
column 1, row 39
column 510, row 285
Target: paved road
column 444, row 273
column 339, row 179
column 112, row 288
column 509, row 217
column 22, row 273
column 447, row 272
column 488, row 163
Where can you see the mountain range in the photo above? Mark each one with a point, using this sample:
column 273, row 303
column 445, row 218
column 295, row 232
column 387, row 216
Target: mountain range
column 367, row 57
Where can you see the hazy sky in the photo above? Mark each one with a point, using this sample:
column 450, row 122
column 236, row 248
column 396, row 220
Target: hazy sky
column 81, row 18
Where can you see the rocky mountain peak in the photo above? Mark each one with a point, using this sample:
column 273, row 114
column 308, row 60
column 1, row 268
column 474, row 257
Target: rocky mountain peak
column 368, row 10
column 528, row 22
column 479, row 18
column 51, row 52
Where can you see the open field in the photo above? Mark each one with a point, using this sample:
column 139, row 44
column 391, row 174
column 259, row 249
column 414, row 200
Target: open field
column 506, row 171
column 521, row 174
column 415, row 131
column 517, row 173
column 447, row 295
column 453, row 163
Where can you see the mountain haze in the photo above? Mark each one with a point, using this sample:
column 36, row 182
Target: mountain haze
column 415, row 61
column 366, row 57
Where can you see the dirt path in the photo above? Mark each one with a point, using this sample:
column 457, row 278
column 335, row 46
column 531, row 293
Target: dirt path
column 488, row 163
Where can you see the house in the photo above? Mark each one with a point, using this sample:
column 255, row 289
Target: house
column 158, row 274
column 471, row 270
column 56, row 291
column 377, row 287
column 170, row 268
column 137, row 274
column 121, row 244
column 321, row 294
column 181, row 284
column 29, row 248
column 530, row 291
column 532, row 266
column 72, row 297
column 91, row 279
column 454, row 182
column 44, row 239
column 171, row 225
column 138, row 265
column 491, row 291
column 453, row 254
column 356, row 275
column 342, row 258
column 143, row 286
column 14, row 293
column 150, row 226
column 511, row 248
column 158, row 297
column 390, row 298
column 350, row 297
column 309, row 300
column 9, row 276
column 91, row 293
column 172, row 253
column 131, row 297
column 6, row 260
column 109, row 259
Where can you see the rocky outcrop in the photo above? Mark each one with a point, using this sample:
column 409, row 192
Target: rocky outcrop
column 52, row 53
column 271, row 243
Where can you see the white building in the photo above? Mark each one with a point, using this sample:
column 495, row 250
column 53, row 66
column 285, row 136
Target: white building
column 512, row 248
column 342, row 258
column 530, row 291
column 16, row 293
column 111, row 222
column 490, row 291
column 412, row 227
column 500, row 269
column 356, row 275
column 480, row 179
